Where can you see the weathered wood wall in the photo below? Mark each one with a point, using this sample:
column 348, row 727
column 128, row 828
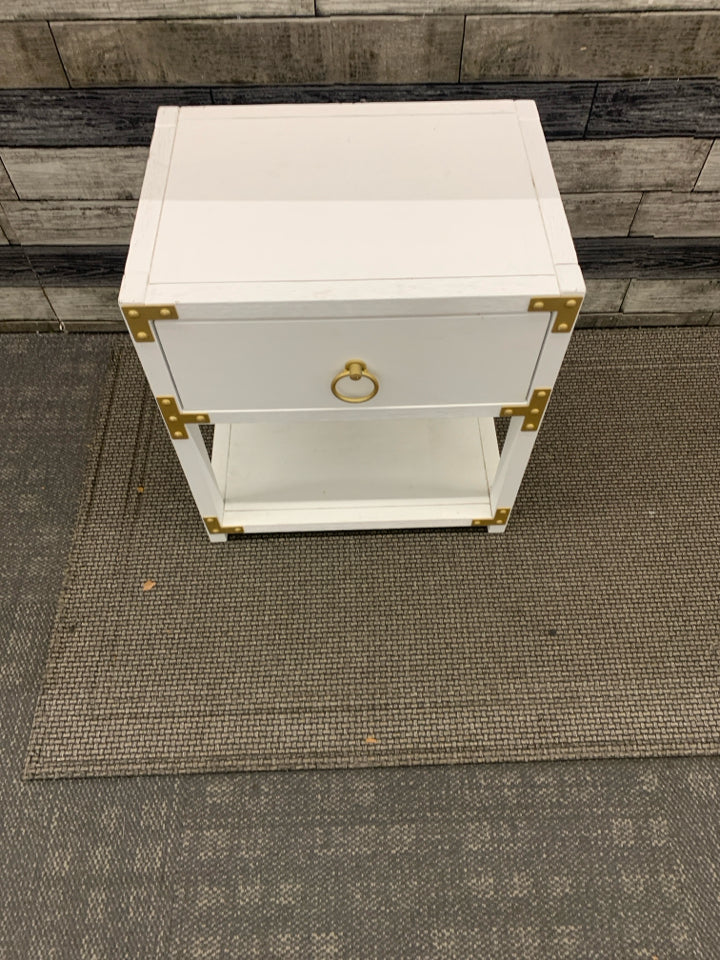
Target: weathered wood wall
column 628, row 90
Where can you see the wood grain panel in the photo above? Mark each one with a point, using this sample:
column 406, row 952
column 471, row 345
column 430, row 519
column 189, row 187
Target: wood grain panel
column 678, row 215
column 592, row 46
column 24, row 303
column 85, row 303
column 644, row 257
column 600, row 214
column 6, row 187
column 124, row 9
column 67, row 118
column 429, row 7
column 28, row 57
column 3, row 238
column 29, row 326
column 15, row 269
column 94, row 326
column 645, row 320
column 604, row 296
column 564, row 108
column 82, row 222
column 61, row 266
column 672, row 296
column 714, row 320
column 710, row 177
column 6, row 228
column 658, row 108
column 91, row 173
column 303, row 50
column 667, row 163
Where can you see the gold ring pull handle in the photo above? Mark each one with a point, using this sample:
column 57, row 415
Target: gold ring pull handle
column 356, row 370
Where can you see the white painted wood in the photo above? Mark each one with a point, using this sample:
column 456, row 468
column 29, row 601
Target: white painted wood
column 197, row 468
column 134, row 283
column 295, row 238
column 287, row 366
column 318, row 476
column 258, row 241
column 261, row 195
column 491, row 453
column 350, row 297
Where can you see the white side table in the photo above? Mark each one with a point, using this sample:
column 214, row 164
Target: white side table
column 351, row 294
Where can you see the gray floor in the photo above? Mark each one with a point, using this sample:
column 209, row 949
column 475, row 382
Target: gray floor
column 572, row 859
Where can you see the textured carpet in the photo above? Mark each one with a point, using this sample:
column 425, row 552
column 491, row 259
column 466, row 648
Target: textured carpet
column 589, row 629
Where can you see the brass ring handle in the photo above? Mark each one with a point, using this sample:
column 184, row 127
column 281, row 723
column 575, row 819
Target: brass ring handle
column 355, row 369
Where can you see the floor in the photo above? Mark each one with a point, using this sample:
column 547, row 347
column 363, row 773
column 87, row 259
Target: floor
column 592, row 859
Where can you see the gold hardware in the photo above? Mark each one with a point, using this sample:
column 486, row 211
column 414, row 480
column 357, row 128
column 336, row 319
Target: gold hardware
column 566, row 309
column 175, row 420
column 138, row 320
column 214, row 526
column 356, row 370
column 501, row 517
column 532, row 411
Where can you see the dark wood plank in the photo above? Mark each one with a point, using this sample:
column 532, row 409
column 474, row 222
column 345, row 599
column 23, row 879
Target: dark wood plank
column 641, row 257
column 87, row 118
column 299, row 50
column 592, row 46
column 656, row 108
column 564, row 107
column 15, row 268
column 28, row 57
column 59, row 266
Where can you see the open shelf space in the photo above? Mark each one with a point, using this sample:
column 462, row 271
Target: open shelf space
column 336, row 475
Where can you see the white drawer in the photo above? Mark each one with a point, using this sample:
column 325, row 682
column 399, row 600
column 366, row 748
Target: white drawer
column 287, row 366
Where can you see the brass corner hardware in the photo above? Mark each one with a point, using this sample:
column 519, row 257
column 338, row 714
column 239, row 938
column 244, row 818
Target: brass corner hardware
column 500, row 518
column 175, row 420
column 138, row 320
column 566, row 308
column 214, row 526
column 532, row 412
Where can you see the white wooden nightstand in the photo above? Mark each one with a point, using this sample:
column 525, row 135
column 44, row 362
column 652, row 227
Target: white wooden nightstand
column 351, row 294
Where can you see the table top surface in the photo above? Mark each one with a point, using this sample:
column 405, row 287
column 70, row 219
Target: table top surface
column 331, row 193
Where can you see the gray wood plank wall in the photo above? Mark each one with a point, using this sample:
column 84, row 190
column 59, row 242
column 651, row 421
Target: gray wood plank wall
column 302, row 50
column 635, row 164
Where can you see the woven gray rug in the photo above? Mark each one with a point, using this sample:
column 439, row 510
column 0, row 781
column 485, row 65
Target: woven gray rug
column 591, row 628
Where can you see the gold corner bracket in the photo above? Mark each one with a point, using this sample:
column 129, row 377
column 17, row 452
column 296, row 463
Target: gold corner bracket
column 565, row 308
column 138, row 320
column 175, row 420
column 214, row 526
column 500, row 518
column 532, row 412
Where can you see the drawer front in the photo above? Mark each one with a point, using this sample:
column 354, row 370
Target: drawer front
column 289, row 365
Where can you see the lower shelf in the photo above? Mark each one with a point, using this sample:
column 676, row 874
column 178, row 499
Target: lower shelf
column 339, row 475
